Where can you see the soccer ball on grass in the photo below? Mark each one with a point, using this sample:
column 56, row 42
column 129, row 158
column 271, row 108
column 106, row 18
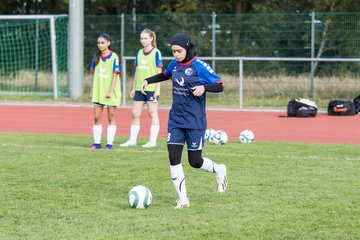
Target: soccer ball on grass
column 209, row 133
column 139, row 197
column 220, row 137
column 246, row 136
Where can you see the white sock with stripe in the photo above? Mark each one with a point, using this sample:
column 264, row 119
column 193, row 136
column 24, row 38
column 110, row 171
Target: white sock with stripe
column 178, row 178
column 210, row 166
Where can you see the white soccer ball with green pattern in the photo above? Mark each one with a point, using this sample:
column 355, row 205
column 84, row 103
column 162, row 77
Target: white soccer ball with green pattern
column 140, row 197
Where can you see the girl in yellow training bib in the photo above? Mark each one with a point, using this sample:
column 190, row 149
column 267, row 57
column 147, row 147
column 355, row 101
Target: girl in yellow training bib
column 106, row 89
column 148, row 63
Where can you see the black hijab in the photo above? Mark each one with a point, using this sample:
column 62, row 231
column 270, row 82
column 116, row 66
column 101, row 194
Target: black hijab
column 183, row 40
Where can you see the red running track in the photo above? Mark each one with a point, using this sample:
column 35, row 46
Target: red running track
column 267, row 126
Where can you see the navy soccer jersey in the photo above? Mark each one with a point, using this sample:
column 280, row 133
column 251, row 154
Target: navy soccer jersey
column 188, row 111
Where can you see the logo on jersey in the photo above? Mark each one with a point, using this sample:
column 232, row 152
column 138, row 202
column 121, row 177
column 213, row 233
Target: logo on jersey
column 102, row 72
column 181, row 82
column 144, row 61
column 189, row 71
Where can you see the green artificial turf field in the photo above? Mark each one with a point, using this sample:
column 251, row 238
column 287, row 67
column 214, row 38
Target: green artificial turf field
column 53, row 187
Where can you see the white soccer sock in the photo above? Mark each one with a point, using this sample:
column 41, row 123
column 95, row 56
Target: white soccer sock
column 134, row 131
column 178, row 178
column 111, row 131
column 210, row 166
column 154, row 131
column 97, row 131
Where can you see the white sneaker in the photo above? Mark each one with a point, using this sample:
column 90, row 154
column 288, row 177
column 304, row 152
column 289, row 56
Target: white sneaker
column 182, row 203
column 128, row 143
column 149, row 145
column 221, row 179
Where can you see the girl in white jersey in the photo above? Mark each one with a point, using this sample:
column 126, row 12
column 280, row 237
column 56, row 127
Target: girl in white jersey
column 148, row 63
column 105, row 90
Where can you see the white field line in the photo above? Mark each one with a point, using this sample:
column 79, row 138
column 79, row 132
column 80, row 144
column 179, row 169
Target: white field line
column 205, row 153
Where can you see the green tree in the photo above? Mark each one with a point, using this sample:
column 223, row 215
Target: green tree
column 111, row 7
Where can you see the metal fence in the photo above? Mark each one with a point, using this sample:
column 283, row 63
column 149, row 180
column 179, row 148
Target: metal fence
column 305, row 35
column 263, row 45
column 275, row 85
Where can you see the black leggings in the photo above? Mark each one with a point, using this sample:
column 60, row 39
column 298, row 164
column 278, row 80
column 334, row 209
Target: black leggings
column 175, row 152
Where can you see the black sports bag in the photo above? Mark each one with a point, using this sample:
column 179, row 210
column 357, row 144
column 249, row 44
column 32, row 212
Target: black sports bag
column 356, row 102
column 341, row 108
column 302, row 107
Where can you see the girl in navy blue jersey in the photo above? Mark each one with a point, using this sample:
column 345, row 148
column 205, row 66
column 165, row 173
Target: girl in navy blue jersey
column 191, row 79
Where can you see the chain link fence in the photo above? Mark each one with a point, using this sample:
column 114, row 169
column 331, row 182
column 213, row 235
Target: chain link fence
column 295, row 35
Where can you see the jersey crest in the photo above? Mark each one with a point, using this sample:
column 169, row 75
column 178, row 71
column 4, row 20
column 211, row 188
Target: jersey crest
column 189, row 71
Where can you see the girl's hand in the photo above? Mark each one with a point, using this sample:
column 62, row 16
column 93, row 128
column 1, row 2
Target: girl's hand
column 132, row 93
column 198, row 90
column 109, row 95
column 157, row 93
column 143, row 86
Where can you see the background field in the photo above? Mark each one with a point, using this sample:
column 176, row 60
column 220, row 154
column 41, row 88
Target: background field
column 53, row 187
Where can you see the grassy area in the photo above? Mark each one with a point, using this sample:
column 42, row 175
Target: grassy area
column 274, row 90
column 53, row 187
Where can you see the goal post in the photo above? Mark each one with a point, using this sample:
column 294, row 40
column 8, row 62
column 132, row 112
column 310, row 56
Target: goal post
column 29, row 57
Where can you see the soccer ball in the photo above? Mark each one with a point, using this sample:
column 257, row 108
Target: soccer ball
column 209, row 134
column 220, row 137
column 140, row 197
column 247, row 136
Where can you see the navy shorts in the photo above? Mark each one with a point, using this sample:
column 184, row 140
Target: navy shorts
column 194, row 138
column 149, row 97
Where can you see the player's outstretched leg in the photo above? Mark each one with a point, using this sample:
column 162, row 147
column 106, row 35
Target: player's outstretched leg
column 221, row 178
column 220, row 173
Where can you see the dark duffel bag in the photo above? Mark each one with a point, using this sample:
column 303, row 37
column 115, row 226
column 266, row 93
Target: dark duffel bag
column 341, row 108
column 302, row 107
column 356, row 102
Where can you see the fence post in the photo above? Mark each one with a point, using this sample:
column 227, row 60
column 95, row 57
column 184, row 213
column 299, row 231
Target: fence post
column 122, row 35
column 312, row 54
column 123, row 81
column 76, row 49
column 37, row 40
column 53, row 56
column 123, row 61
column 213, row 44
column 241, row 77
